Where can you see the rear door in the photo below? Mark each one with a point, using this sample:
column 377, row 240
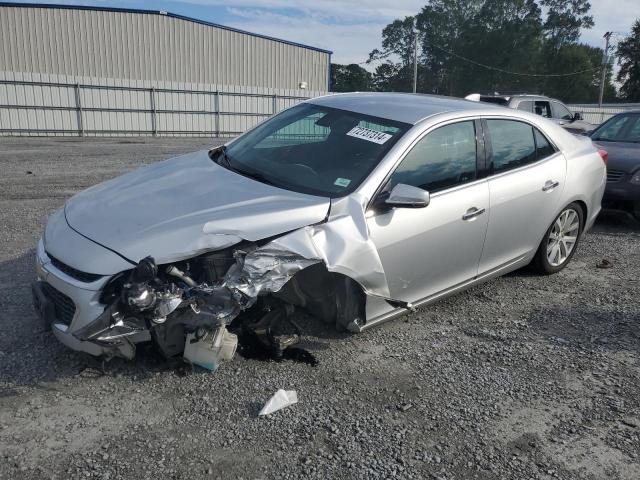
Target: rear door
column 526, row 179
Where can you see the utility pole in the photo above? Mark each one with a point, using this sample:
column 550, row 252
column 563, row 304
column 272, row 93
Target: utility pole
column 415, row 59
column 605, row 64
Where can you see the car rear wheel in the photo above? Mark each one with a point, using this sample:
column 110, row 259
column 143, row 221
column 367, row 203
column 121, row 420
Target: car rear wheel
column 560, row 241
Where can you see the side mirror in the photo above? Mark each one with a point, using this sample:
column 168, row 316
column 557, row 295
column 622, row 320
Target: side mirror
column 406, row 196
column 577, row 116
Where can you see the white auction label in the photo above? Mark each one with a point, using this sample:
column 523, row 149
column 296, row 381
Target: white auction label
column 369, row 135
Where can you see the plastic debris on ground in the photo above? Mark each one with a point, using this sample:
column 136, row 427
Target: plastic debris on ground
column 280, row 400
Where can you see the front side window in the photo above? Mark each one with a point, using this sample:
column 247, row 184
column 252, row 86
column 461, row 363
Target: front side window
column 561, row 112
column 543, row 108
column 314, row 149
column 512, row 144
column 442, row 159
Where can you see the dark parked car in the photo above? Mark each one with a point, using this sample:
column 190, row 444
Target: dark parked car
column 546, row 107
column 620, row 136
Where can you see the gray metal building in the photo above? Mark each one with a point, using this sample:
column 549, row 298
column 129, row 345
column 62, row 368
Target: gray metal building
column 101, row 71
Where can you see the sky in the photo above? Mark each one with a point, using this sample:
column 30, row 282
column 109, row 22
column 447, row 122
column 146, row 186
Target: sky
column 349, row 28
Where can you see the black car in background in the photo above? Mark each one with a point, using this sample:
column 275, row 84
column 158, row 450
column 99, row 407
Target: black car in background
column 620, row 137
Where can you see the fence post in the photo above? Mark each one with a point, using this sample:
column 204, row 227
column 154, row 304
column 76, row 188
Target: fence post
column 154, row 125
column 274, row 104
column 216, row 109
column 79, row 110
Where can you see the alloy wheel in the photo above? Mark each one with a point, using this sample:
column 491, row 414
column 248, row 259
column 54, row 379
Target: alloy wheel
column 563, row 237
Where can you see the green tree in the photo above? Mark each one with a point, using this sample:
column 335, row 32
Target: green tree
column 628, row 52
column 565, row 19
column 350, row 78
column 582, row 88
column 493, row 46
column 398, row 40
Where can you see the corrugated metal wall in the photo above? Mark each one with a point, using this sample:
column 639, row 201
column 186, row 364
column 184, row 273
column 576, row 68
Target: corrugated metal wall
column 147, row 46
column 69, row 71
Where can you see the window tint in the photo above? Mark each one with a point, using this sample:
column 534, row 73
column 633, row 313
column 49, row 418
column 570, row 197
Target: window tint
column 561, row 112
column 543, row 147
column 512, row 144
column 543, row 109
column 444, row 158
column 314, row 149
column 526, row 106
column 304, row 130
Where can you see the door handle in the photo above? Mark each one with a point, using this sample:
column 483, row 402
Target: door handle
column 549, row 185
column 473, row 213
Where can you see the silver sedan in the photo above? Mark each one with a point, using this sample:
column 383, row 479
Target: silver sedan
column 353, row 207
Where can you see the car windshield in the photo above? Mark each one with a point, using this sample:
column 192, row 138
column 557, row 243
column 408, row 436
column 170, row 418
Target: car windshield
column 621, row 128
column 313, row 149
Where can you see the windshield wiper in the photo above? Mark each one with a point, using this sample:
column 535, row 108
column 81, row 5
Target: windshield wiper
column 221, row 157
column 220, row 153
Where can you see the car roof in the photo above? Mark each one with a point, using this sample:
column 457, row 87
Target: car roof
column 401, row 107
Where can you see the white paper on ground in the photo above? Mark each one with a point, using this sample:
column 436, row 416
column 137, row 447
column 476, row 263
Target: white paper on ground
column 280, row 399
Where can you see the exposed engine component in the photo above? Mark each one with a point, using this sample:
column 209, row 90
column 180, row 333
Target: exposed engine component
column 176, row 272
column 186, row 308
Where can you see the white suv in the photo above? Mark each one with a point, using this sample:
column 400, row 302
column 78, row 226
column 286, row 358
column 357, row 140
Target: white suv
column 547, row 107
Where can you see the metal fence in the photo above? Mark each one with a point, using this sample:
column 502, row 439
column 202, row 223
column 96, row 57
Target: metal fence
column 51, row 108
column 594, row 114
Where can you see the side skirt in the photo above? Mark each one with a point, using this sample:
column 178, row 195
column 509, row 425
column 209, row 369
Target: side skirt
column 499, row 271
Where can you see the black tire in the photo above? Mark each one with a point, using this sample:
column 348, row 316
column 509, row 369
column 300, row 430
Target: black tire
column 541, row 261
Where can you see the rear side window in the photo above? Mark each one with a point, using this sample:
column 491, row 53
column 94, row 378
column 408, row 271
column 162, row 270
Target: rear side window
column 512, row 143
column 544, row 148
column 444, row 158
column 526, row 106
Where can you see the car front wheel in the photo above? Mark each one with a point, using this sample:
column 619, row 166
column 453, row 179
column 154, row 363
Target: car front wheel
column 560, row 241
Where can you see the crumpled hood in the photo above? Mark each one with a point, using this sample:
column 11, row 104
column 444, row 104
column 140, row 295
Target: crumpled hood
column 184, row 206
column 622, row 155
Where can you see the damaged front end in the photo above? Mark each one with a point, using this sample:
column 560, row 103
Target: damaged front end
column 188, row 308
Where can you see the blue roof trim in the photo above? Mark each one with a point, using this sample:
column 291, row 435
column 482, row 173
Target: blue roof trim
column 164, row 14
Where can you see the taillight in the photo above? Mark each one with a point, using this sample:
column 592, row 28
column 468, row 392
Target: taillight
column 604, row 155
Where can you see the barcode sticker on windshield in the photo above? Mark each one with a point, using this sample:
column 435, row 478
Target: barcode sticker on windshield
column 369, row 135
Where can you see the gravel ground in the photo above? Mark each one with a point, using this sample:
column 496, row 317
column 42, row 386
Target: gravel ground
column 524, row 377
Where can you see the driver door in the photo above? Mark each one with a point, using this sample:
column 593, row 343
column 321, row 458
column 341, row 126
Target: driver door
column 427, row 250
